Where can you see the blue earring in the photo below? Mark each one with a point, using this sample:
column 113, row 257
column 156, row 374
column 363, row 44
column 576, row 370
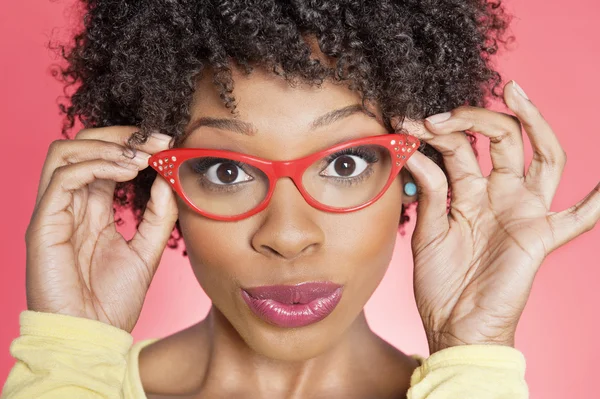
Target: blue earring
column 410, row 189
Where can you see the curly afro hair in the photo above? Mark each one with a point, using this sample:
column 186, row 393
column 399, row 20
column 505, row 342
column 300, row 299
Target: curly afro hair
column 137, row 62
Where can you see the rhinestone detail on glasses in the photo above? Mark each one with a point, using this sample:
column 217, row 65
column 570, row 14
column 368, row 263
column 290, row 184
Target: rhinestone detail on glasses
column 167, row 162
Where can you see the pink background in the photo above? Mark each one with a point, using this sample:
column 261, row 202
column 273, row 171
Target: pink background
column 556, row 61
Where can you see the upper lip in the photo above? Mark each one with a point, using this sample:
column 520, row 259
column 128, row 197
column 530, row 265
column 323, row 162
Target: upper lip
column 294, row 294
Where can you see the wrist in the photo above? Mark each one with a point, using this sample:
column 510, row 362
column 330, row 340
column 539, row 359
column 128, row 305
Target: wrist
column 441, row 340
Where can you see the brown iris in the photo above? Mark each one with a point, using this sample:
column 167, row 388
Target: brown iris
column 345, row 166
column 227, row 172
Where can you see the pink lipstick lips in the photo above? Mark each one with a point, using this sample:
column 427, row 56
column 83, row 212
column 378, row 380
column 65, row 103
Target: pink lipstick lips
column 293, row 305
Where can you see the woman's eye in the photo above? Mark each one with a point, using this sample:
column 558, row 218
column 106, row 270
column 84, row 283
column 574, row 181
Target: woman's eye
column 346, row 166
column 226, row 173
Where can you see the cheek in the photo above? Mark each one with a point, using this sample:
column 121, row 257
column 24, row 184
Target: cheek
column 358, row 245
column 216, row 251
column 357, row 250
column 365, row 241
column 366, row 232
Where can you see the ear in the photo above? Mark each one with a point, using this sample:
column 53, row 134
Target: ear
column 407, row 178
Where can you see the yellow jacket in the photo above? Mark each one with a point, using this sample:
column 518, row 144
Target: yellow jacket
column 66, row 357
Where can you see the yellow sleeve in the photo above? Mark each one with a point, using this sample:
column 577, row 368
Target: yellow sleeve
column 469, row 372
column 132, row 384
column 60, row 356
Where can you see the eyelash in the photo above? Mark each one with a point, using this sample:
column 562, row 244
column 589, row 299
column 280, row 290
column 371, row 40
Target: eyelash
column 363, row 152
column 202, row 166
column 368, row 155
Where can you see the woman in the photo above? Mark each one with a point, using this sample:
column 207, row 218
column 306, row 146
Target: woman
column 288, row 252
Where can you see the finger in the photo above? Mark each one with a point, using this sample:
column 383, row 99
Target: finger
column 576, row 220
column 157, row 224
column 459, row 159
column 69, row 178
column 65, row 152
column 549, row 158
column 122, row 134
column 503, row 130
column 432, row 189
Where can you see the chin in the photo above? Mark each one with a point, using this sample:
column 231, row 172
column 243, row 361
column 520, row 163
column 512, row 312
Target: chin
column 290, row 344
column 295, row 344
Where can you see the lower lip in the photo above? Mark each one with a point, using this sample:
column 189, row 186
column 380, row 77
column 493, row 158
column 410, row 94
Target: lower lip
column 290, row 316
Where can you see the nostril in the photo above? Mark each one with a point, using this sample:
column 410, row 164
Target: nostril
column 291, row 253
column 271, row 251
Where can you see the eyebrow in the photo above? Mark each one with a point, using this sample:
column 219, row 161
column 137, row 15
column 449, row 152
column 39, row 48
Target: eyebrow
column 249, row 129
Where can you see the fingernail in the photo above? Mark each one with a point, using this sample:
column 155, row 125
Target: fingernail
column 129, row 153
column 162, row 137
column 142, row 156
column 438, row 118
column 136, row 155
column 519, row 90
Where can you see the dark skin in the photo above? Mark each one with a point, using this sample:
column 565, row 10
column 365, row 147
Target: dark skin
column 474, row 266
column 195, row 375
column 289, row 243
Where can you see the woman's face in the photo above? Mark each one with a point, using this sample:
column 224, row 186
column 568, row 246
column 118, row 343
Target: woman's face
column 289, row 242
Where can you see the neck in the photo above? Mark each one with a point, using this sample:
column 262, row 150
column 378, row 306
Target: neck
column 232, row 359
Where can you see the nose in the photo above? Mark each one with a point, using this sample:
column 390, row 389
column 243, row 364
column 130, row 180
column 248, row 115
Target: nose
column 288, row 230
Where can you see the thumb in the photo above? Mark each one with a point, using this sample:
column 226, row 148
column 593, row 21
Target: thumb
column 432, row 189
column 157, row 224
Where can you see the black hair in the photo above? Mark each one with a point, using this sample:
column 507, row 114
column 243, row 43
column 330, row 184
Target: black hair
column 137, row 62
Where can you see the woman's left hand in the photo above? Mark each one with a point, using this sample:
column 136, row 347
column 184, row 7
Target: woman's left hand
column 475, row 266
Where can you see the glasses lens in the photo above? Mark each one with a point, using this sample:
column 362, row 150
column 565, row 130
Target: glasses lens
column 349, row 178
column 221, row 186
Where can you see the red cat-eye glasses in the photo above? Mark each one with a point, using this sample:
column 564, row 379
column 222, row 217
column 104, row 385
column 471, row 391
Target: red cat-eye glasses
column 230, row 186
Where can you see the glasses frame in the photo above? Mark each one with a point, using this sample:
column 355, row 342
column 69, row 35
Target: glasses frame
column 167, row 162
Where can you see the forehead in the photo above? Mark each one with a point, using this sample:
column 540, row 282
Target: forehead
column 281, row 113
column 263, row 96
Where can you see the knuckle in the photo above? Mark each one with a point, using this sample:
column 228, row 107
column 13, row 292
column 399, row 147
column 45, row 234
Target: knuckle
column 554, row 159
column 83, row 134
column 59, row 172
column 591, row 224
column 513, row 118
column 515, row 123
column 587, row 224
column 575, row 217
column 27, row 235
column 32, row 231
column 465, row 111
column 563, row 157
column 507, row 127
column 105, row 166
column 111, row 151
column 459, row 143
column 55, row 147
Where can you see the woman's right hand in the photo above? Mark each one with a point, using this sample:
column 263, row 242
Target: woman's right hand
column 77, row 262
